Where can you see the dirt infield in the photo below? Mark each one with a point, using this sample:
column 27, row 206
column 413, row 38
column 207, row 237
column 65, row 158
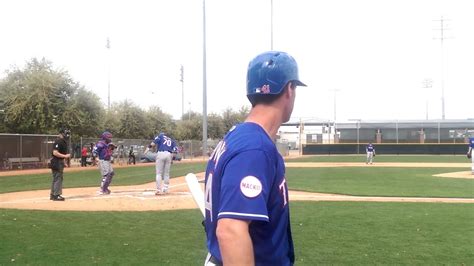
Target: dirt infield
column 143, row 198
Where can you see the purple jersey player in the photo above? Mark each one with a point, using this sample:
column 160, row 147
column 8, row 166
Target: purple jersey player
column 370, row 150
column 103, row 150
column 246, row 195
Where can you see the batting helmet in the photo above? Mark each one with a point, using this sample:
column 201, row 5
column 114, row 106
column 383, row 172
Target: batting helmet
column 107, row 136
column 269, row 72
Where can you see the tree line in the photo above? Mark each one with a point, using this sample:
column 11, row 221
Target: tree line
column 40, row 99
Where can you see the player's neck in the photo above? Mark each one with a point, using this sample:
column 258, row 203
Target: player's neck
column 268, row 117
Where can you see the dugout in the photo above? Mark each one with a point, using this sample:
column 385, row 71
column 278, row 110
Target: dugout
column 22, row 151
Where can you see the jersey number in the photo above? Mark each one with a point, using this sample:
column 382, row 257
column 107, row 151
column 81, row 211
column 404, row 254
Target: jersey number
column 167, row 142
column 208, row 195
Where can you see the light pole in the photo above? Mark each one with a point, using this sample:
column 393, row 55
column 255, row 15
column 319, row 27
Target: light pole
column 108, row 73
column 300, row 135
column 335, row 109
column 427, row 83
column 442, row 37
column 182, row 90
column 358, row 129
column 271, row 25
column 204, row 82
column 189, row 111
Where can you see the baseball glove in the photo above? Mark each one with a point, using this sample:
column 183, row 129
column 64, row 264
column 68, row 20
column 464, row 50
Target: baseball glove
column 112, row 146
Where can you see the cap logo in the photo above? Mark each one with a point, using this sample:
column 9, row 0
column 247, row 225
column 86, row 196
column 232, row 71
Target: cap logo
column 265, row 89
column 250, row 186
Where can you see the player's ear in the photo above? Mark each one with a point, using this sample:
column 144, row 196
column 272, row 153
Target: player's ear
column 289, row 90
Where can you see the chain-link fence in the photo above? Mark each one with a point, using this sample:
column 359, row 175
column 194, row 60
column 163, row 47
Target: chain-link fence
column 23, row 151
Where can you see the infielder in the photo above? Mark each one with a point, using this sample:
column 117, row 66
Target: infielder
column 470, row 153
column 246, row 195
column 165, row 146
column 103, row 150
column 370, row 150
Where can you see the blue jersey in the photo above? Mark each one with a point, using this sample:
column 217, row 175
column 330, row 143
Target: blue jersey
column 471, row 143
column 102, row 150
column 164, row 143
column 369, row 148
column 245, row 180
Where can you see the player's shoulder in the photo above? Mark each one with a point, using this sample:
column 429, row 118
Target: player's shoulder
column 246, row 136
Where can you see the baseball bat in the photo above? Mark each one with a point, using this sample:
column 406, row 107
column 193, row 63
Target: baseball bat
column 195, row 188
column 198, row 197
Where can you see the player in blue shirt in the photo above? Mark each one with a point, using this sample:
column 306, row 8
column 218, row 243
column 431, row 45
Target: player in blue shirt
column 246, row 195
column 165, row 146
column 470, row 152
column 370, row 150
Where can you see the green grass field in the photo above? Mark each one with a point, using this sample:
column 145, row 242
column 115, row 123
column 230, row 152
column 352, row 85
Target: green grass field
column 378, row 181
column 324, row 233
column 385, row 158
column 334, row 233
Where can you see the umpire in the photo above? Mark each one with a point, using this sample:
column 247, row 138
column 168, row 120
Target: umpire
column 60, row 152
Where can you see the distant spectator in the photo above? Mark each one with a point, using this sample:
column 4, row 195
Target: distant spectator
column 94, row 162
column 84, row 156
column 131, row 156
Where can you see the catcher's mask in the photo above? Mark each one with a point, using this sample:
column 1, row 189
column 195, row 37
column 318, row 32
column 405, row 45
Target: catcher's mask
column 65, row 132
column 107, row 136
column 269, row 72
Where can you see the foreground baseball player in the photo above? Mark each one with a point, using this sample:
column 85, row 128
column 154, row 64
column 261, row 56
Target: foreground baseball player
column 370, row 150
column 246, row 196
column 103, row 150
column 470, row 152
column 165, row 146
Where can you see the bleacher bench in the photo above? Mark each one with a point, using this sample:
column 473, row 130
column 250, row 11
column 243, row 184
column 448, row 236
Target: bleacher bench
column 25, row 162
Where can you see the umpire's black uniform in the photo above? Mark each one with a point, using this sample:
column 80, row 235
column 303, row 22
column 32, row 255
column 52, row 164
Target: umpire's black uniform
column 57, row 166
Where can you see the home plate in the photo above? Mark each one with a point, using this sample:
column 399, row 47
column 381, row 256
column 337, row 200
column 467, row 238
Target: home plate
column 148, row 193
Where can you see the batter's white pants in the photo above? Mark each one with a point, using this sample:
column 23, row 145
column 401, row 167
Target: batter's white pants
column 163, row 165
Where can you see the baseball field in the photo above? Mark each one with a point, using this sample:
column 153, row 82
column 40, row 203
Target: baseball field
column 401, row 210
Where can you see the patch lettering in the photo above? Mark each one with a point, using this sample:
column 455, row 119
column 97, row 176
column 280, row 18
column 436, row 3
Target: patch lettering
column 250, row 186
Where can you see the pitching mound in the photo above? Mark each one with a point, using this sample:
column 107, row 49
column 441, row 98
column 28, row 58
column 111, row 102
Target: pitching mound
column 462, row 174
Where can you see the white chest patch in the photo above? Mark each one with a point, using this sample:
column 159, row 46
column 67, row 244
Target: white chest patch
column 250, row 186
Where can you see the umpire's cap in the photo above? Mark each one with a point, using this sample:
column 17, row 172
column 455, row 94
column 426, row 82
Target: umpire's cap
column 269, row 72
